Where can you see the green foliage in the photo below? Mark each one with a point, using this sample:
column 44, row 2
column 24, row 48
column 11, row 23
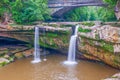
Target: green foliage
column 29, row 11
column 67, row 25
column 4, row 7
column 53, row 25
column 52, row 35
column 107, row 46
column 25, row 11
column 49, row 39
column 111, row 3
column 91, row 14
column 3, row 64
column 88, row 23
column 11, row 58
column 2, row 54
column 84, row 30
column 48, row 42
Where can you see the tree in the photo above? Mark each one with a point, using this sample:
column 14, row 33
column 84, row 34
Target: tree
column 5, row 11
column 29, row 11
column 111, row 3
column 24, row 11
column 93, row 13
column 117, row 10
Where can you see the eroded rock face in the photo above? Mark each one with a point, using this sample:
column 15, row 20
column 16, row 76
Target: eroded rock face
column 101, row 55
column 117, row 10
column 101, row 44
column 106, row 32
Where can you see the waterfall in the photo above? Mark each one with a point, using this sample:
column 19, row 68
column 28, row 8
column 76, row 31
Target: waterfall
column 44, row 46
column 36, row 47
column 72, row 48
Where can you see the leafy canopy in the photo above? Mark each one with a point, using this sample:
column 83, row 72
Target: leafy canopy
column 25, row 11
column 91, row 13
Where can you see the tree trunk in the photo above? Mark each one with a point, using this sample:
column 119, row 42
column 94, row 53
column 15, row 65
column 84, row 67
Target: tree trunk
column 117, row 10
column 6, row 18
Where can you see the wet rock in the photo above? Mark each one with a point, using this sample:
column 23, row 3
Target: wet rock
column 6, row 56
column 28, row 53
column 114, row 77
column 3, row 61
column 19, row 55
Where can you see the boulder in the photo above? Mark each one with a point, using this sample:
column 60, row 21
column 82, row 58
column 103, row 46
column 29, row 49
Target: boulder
column 6, row 56
column 28, row 53
column 114, row 77
column 3, row 61
column 19, row 55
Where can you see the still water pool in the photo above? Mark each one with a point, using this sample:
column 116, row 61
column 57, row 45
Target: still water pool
column 54, row 69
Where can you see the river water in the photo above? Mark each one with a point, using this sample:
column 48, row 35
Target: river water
column 54, row 69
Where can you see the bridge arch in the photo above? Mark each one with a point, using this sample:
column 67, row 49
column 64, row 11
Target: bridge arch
column 60, row 7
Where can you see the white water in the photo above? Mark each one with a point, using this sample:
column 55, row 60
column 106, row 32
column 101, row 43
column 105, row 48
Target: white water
column 36, row 47
column 72, row 48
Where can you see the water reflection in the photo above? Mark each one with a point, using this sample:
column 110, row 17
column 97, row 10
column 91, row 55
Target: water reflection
column 70, row 73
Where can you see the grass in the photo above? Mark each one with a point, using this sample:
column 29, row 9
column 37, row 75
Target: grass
column 84, row 30
column 88, row 23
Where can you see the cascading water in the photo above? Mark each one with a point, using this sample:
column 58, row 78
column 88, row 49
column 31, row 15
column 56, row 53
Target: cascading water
column 72, row 48
column 36, row 47
column 44, row 46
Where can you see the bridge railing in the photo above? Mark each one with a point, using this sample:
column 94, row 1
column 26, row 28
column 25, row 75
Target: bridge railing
column 63, row 3
column 72, row 1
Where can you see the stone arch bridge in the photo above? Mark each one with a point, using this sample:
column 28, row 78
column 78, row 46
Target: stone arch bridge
column 60, row 7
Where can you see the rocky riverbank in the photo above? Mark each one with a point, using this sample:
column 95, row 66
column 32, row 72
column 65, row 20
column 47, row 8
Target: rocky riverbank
column 55, row 37
column 100, row 43
column 9, row 53
column 114, row 77
column 95, row 41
